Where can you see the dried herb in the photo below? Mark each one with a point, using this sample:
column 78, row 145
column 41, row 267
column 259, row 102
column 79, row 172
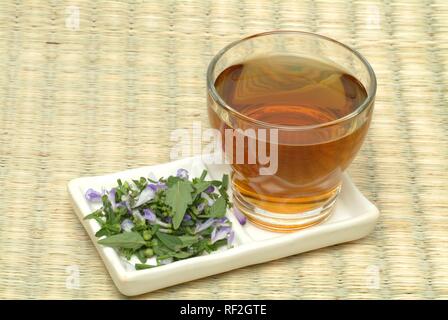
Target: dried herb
column 169, row 219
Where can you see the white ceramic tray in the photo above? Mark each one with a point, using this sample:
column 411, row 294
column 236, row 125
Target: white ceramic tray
column 354, row 217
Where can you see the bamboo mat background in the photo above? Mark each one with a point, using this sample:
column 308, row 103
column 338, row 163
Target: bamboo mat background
column 104, row 96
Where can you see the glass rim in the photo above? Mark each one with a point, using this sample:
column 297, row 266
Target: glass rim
column 371, row 91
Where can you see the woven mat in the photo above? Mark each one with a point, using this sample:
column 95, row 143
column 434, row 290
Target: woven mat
column 102, row 93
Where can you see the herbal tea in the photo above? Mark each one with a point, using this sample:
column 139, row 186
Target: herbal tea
column 293, row 93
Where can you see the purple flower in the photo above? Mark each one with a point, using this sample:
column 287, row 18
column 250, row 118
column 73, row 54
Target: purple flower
column 239, row 216
column 146, row 195
column 162, row 185
column 210, row 189
column 157, row 186
column 149, row 215
column 202, row 226
column 111, row 197
column 187, row 217
column 221, row 222
column 93, row 196
column 127, row 225
column 182, row 173
column 220, row 233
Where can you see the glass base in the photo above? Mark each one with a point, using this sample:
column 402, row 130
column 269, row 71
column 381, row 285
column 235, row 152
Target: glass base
column 285, row 222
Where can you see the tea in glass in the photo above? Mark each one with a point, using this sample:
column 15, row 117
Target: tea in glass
column 321, row 112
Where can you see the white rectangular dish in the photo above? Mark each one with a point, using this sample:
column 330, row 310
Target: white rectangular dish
column 354, row 217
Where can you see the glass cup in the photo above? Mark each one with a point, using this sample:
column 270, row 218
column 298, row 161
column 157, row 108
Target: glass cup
column 301, row 188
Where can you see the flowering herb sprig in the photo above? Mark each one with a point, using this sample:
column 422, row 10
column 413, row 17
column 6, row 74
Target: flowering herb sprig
column 170, row 219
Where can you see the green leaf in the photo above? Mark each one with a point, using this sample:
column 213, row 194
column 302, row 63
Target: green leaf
column 127, row 240
column 141, row 255
column 182, row 254
column 216, row 183
column 203, row 175
column 93, row 215
column 200, row 186
column 127, row 253
column 172, row 180
column 176, row 242
column 218, row 209
column 102, row 232
column 100, row 221
column 140, row 184
column 142, row 266
column 97, row 215
column 224, row 186
column 225, row 181
column 188, row 240
column 224, row 194
column 215, row 246
column 170, row 241
column 178, row 197
column 162, row 250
